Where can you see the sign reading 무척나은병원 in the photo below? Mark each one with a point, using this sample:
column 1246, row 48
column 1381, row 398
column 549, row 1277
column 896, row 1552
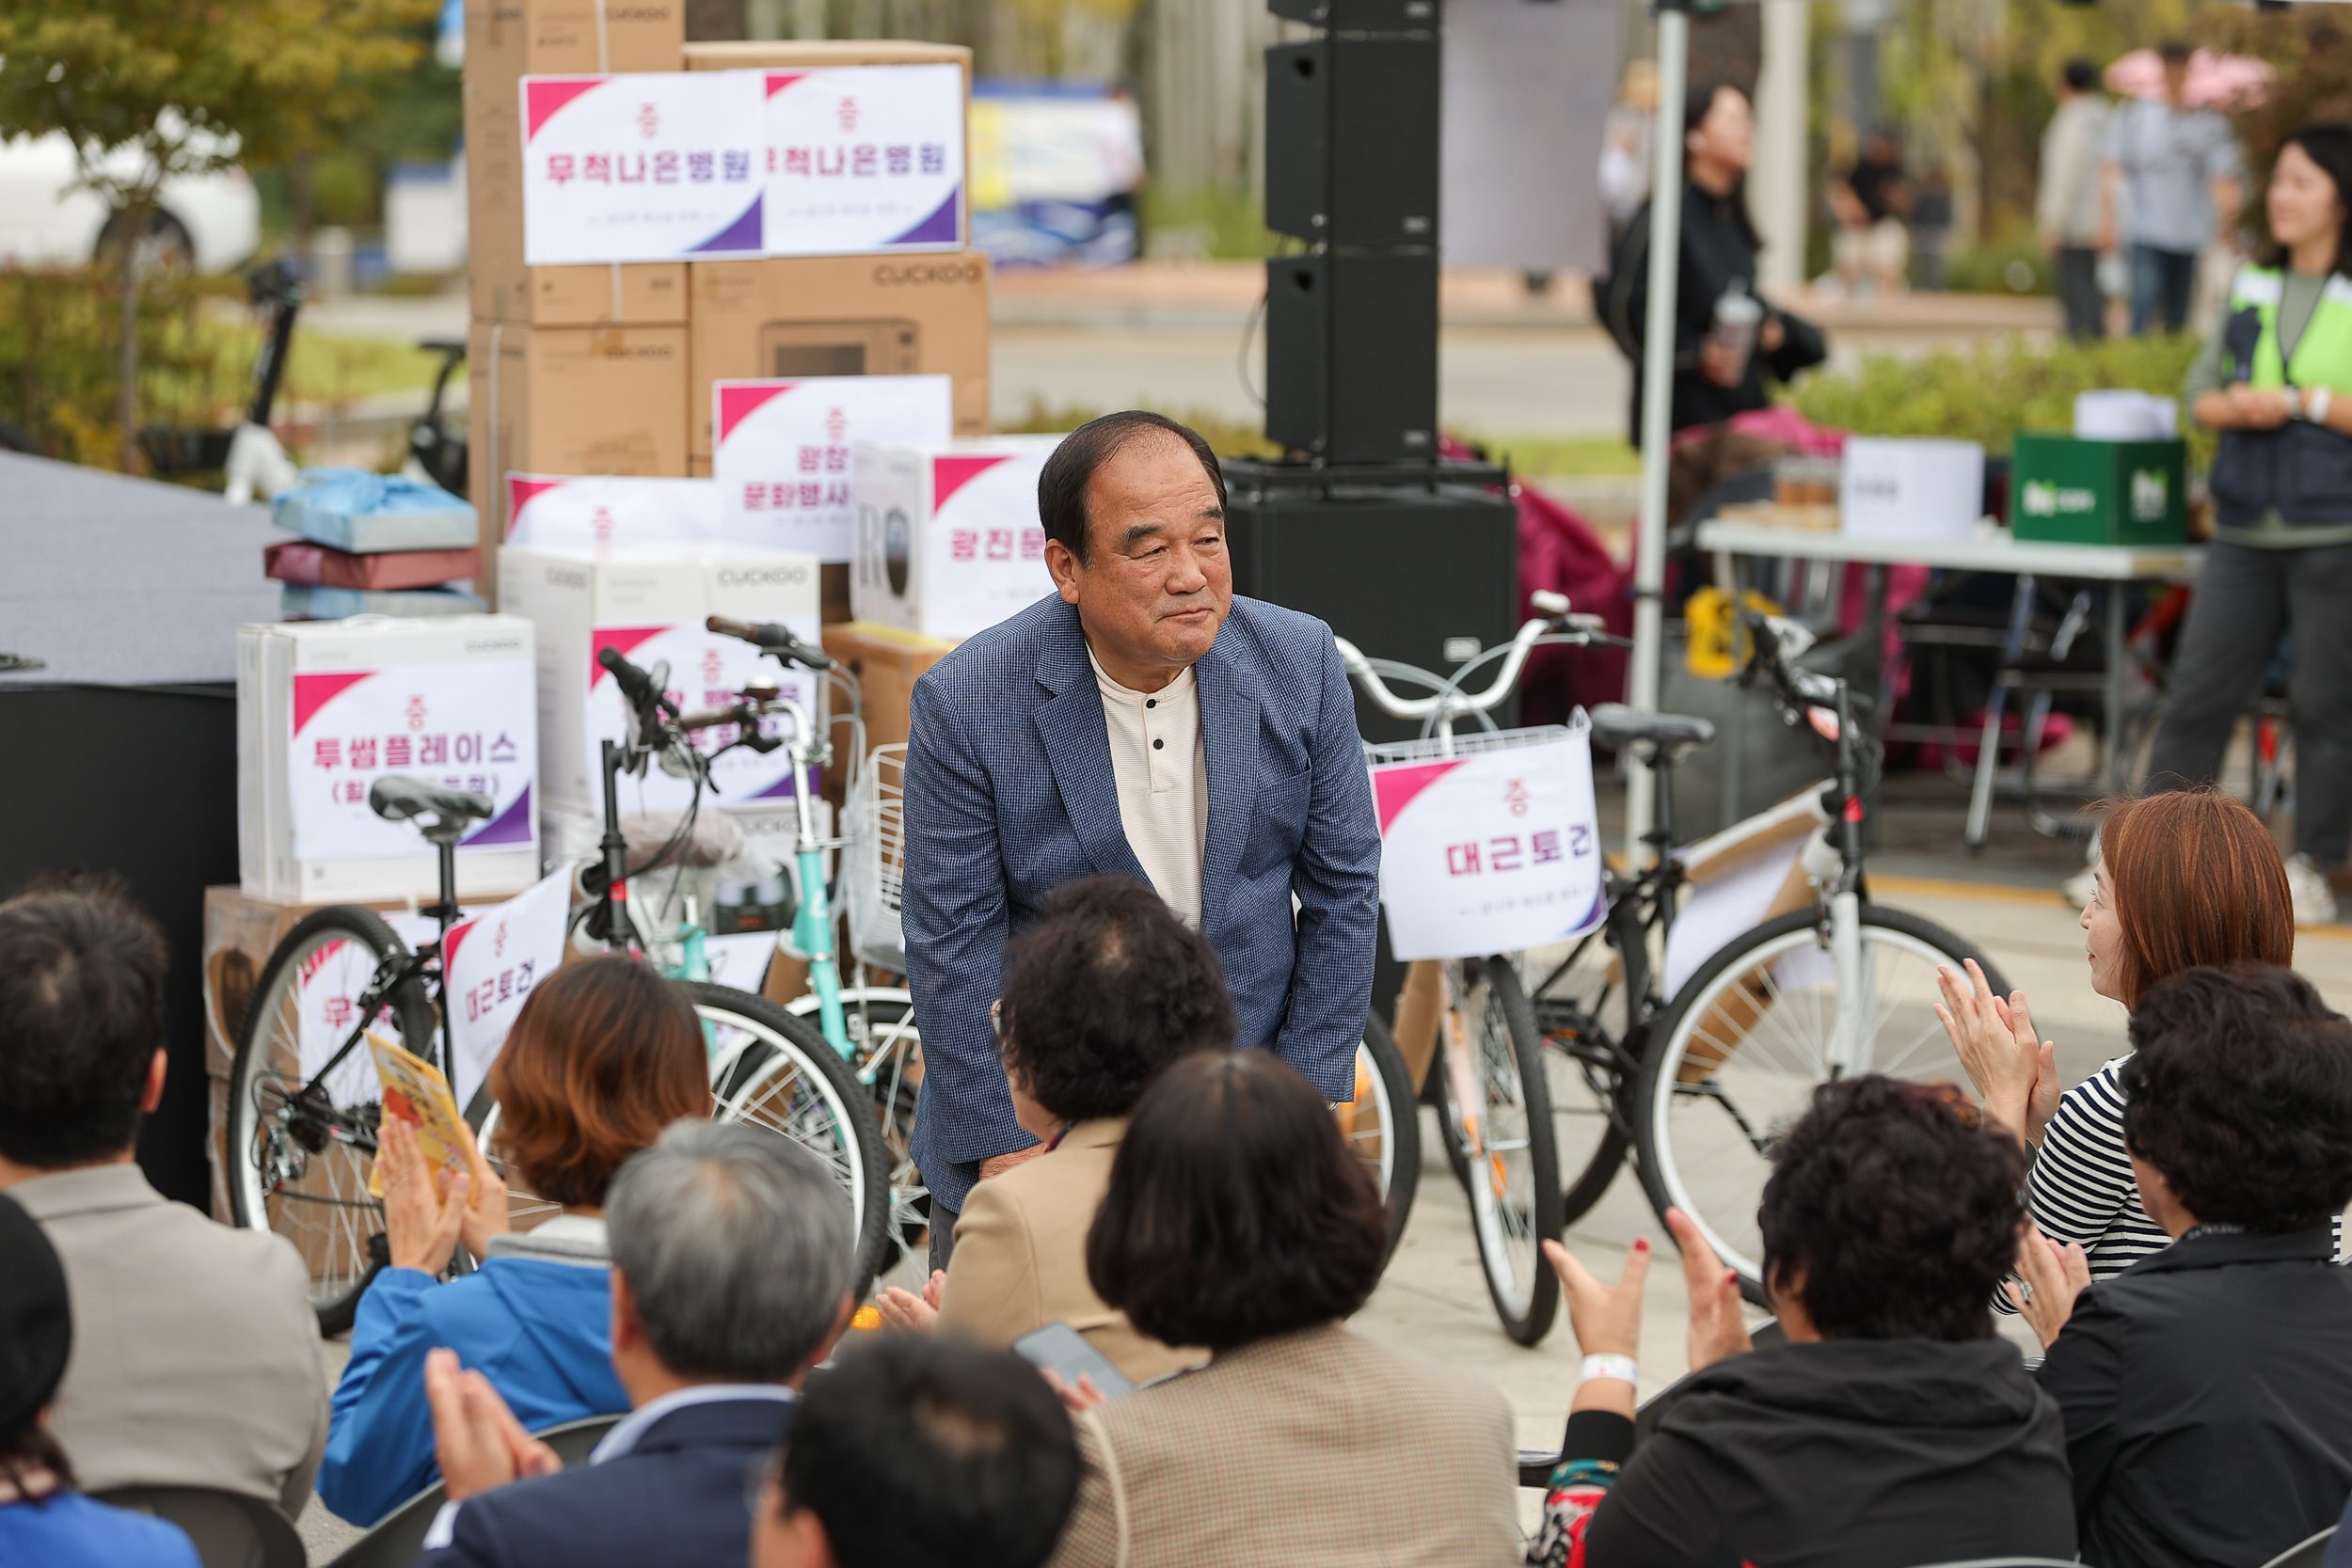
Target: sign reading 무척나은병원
column 1492, row 850
column 652, row 167
column 862, row 159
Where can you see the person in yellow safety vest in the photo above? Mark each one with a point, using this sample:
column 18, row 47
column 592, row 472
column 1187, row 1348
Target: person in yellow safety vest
column 2275, row 380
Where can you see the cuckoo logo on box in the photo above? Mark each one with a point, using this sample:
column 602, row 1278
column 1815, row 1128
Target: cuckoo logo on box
column 865, row 158
column 610, row 510
column 453, row 724
column 649, row 166
column 782, row 460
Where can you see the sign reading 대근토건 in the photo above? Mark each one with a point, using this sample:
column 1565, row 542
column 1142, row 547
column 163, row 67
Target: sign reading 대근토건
column 782, row 458
column 864, row 159
column 650, row 167
column 1493, row 849
column 492, row 960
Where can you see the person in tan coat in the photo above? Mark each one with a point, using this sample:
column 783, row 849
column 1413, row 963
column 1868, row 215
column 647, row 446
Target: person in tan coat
column 1099, row 995
column 1236, row 1218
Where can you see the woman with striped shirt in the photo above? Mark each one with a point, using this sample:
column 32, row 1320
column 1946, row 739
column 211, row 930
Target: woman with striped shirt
column 2186, row 879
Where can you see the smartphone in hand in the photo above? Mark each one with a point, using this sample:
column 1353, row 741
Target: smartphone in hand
column 1059, row 1349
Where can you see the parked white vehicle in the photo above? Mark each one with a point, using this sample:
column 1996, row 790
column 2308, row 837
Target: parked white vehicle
column 45, row 220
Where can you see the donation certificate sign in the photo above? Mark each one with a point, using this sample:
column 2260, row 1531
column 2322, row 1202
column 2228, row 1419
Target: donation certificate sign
column 610, row 510
column 781, row 462
column 468, row 726
column 1492, row 850
column 864, row 159
column 705, row 671
column 649, row 166
column 492, row 960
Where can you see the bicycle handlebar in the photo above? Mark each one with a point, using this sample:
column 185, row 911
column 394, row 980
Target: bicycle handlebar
column 1451, row 703
column 771, row 637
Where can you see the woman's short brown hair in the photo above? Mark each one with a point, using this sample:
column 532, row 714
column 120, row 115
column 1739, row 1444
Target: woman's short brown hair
column 2198, row 880
column 1234, row 1211
column 604, row 1055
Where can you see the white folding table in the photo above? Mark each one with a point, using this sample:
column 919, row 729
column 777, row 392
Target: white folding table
column 1995, row 550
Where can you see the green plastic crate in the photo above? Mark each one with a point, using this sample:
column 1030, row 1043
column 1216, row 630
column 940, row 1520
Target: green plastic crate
column 2074, row 492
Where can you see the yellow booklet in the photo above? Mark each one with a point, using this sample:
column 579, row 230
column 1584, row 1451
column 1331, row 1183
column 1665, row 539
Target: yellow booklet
column 415, row 1091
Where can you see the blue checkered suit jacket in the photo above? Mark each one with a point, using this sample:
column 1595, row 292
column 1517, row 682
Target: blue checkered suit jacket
column 1009, row 794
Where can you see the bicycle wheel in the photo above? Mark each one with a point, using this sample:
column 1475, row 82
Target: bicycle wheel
column 525, row 1208
column 1382, row 1123
column 773, row 1071
column 889, row 1046
column 1506, row 1143
column 1746, row 1042
column 1585, row 1009
column 299, row 1150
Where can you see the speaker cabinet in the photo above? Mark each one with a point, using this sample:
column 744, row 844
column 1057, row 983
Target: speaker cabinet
column 1410, row 574
column 1352, row 140
column 1360, row 16
column 1351, row 353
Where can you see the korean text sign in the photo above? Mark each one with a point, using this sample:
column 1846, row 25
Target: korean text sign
column 783, row 458
column 609, row 509
column 864, row 158
column 1490, row 851
column 651, row 166
column 469, row 726
column 492, row 960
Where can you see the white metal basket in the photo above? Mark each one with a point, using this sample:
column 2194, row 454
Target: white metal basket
column 876, row 866
column 1467, row 741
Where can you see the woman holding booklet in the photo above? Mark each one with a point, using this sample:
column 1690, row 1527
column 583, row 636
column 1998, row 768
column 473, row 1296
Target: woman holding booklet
column 604, row 1055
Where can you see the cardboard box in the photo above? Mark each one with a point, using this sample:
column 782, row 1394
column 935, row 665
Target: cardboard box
column 1909, row 487
column 2085, row 492
column 325, row 708
column 648, row 603
column 815, row 53
column 841, row 315
column 948, row 541
column 573, row 401
column 509, row 40
column 886, row 661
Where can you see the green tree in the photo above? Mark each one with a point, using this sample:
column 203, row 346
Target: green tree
column 150, row 90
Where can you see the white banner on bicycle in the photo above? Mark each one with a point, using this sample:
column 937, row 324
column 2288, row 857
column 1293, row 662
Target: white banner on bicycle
column 327, row 1009
column 492, row 959
column 1492, row 850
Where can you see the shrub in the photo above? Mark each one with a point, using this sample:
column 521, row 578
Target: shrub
column 1996, row 389
column 60, row 330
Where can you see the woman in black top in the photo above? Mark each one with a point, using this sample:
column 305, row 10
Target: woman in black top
column 1893, row 1427
column 1719, row 245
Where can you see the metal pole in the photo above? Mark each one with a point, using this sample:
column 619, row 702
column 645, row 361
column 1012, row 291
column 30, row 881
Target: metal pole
column 1658, row 370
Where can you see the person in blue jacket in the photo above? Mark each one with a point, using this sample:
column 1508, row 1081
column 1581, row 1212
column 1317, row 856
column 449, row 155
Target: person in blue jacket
column 602, row 1057
column 43, row 1519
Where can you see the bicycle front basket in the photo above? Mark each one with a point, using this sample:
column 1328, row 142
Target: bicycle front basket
column 876, row 862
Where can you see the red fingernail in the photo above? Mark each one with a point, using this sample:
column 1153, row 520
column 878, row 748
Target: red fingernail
column 1641, row 1243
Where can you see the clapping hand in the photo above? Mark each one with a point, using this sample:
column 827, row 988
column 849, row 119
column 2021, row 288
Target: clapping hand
column 425, row 1209
column 1719, row 1329
column 908, row 1314
column 476, row 1439
column 2015, row 1071
column 2055, row 1276
column 1605, row 1319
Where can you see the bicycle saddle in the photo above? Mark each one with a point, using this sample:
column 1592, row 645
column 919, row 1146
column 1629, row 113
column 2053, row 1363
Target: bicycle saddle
column 397, row 798
column 1663, row 735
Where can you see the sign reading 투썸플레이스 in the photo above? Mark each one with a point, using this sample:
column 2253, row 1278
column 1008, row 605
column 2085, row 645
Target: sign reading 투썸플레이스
column 1490, row 851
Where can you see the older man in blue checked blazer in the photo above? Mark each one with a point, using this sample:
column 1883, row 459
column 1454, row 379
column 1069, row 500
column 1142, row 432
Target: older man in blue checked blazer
column 1143, row 721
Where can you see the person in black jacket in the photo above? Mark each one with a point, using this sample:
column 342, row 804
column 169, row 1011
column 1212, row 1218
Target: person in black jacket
column 1715, row 377
column 2207, row 1389
column 1892, row 1429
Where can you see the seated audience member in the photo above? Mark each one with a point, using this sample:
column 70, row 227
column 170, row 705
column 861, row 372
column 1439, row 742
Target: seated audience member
column 1892, row 1427
column 2207, row 1389
column 604, row 1055
column 1237, row 1219
column 196, row 1351
column 912, row 1452
column 43, row 1519
column 731, row 1259
column 2185, row 878
column 1109, row 988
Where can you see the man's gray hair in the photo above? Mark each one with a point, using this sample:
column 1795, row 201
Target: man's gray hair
column 737, row 1246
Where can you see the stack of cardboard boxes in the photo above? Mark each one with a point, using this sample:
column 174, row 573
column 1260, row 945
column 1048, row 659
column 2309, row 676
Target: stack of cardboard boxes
column 608, row 369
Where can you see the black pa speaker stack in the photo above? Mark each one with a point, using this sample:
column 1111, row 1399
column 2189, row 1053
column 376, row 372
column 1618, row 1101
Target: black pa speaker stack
column 1360, row 523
